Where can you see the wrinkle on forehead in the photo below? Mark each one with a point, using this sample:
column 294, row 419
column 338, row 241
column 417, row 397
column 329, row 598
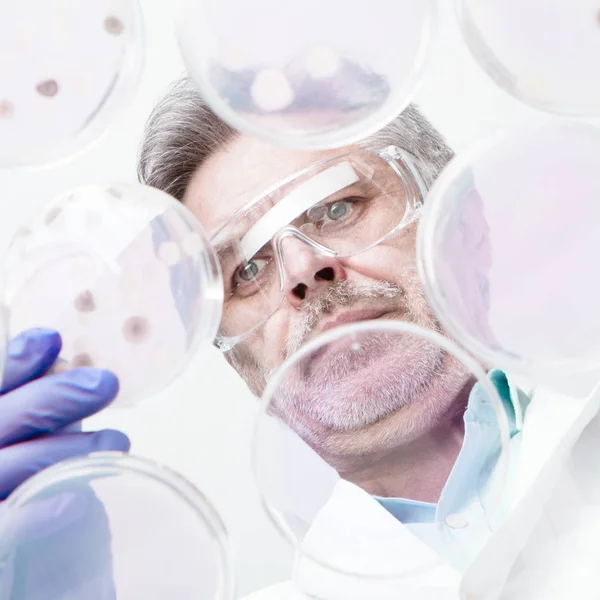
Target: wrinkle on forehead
column 241, row 171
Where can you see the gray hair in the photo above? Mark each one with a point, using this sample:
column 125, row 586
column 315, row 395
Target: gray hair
column 183, row 132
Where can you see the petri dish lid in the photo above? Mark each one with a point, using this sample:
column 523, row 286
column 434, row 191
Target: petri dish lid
column 542, row 53
column 506, row 248
column 293, row 75
column 112, row 526
column 67, row 68
column 126, row 275
column 343, row 462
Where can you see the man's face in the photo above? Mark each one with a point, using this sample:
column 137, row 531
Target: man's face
column 321, row 292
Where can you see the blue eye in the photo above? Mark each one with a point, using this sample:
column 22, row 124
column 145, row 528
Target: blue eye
column 248, row 271
column 338, row 210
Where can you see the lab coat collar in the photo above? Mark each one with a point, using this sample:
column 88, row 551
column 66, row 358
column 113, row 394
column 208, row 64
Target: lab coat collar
column 386, row 546
column 481, row 441
column 553, row 423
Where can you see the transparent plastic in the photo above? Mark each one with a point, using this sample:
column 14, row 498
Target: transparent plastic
column 112, row 526
column 544, row 53
column 548, row 545
column 66, row 70
column 308, row 74
column 3, row 332
column 359, row 404
column 377, row 193
column 507, row 247
column 126, row 275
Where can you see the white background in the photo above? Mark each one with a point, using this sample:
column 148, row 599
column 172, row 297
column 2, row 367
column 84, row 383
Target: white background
column 201, row 425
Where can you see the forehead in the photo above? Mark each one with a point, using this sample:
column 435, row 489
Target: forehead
column 239, row 172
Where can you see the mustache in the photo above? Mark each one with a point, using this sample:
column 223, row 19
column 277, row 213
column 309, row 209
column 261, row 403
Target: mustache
column 339, row 293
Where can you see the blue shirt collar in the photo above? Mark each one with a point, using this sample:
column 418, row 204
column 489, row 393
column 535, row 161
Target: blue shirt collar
column 481, row 442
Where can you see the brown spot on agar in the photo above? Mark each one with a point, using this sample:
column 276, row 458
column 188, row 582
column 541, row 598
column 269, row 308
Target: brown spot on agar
column 114, row 25
column 48, row 88
column 19, row 243
column 23, row 232
column 51, row 215
column 85, row 302
column 7, row 109
column 136, row 330
column 82, row 360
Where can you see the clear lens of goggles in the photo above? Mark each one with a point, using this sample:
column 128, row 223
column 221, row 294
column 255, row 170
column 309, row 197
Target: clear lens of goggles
column 339, row 208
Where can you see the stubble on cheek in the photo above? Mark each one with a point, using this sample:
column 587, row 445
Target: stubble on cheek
column 251, row 368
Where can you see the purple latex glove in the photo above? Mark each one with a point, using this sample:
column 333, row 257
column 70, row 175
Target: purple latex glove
column 35, row 410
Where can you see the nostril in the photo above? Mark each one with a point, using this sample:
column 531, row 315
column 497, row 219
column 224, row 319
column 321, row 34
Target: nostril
column 326, row 274
column 300, row 291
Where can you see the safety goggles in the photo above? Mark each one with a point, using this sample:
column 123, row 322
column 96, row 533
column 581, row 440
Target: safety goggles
column 337, row 208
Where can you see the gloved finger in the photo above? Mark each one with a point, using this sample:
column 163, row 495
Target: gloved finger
column 21, row 461
column 41, row 517
column 75, row 427
column 68, row 559
column 52, row 402
column 30, row 355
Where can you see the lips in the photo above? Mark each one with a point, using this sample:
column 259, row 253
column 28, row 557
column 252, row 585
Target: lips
column 353, row 316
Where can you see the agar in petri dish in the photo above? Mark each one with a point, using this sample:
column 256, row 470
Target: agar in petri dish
column 542, row 53
column 112, row 525
column 308, row 75
column 128, row 278
column 507, row 244
column 66, row 70
column 365, row 400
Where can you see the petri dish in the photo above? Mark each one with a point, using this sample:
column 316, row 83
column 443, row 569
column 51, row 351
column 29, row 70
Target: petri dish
column 3, row 333
column 67, row 68
column 506, row 246
column 344, row 461
column 111, row 525
column 542, row 53
column 307, row 75
column 126, row 275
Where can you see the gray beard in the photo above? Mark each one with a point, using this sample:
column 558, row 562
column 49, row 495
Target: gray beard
column 340, row 293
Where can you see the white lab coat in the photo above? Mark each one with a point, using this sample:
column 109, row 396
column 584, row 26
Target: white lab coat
column 545, row 549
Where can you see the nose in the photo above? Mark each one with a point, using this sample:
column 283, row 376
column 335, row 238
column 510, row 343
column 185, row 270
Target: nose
column 307, row 271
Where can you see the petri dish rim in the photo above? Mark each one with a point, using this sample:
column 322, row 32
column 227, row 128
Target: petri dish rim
column 426, row 239
column 383, row 326
column 323, row 141
column 493, row 68
column 117, row 100
column 210, row 274
column 120, row 463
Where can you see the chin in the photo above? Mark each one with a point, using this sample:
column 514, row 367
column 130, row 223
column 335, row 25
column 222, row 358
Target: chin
column 343, row 388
